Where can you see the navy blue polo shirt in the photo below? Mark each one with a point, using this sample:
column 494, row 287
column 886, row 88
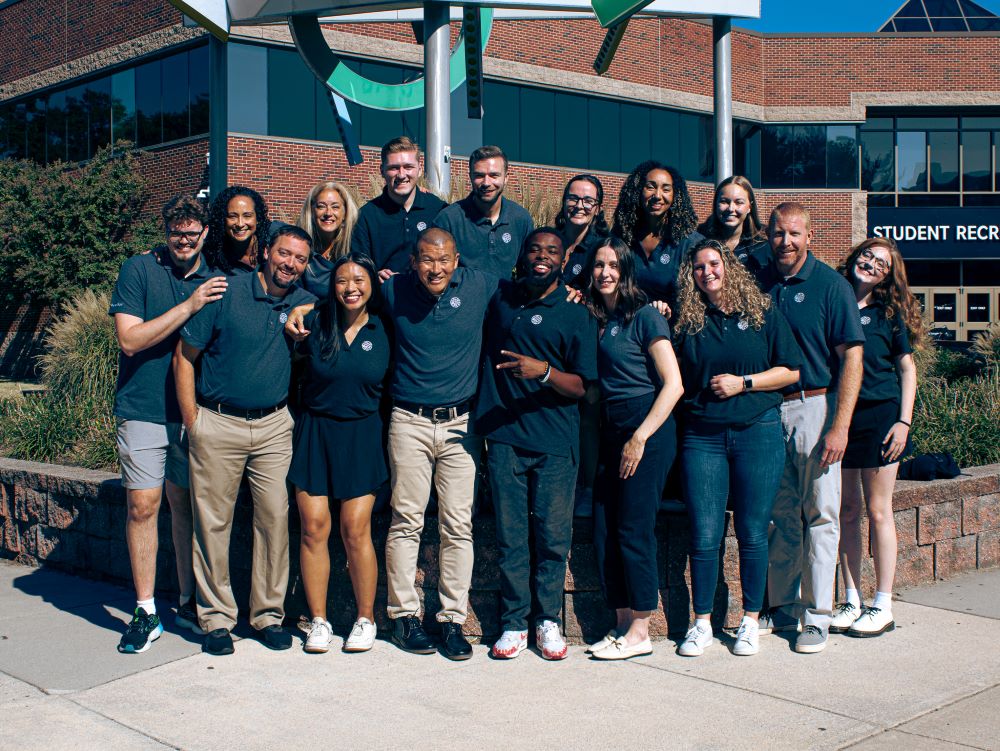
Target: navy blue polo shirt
column 885, row 340
column 246, row 356
column 148, row 286
column 656, row 274
column 439, row 340
column 316, row 279
column 387, row 233
column 492, row 248
column 822, row 311
column 577, row 269
column 730, row 344
column 624, row 365
column 754, row 253
column 349, row 385
column 525, row 413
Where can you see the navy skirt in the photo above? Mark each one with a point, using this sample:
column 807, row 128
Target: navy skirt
column 340, row 459
column 869, row 426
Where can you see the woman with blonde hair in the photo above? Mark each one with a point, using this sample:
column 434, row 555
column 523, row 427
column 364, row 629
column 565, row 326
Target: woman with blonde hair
column 879, row 435
column 735, row 221
column 736, row 352
column 328, row 214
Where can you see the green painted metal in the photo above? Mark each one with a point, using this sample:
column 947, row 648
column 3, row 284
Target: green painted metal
column 611, row 12
column 351, row 85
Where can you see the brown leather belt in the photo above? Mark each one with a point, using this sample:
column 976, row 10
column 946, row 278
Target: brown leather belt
column 804, row 394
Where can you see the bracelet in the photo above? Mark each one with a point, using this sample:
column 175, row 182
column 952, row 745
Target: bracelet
column 548, row 372
column 904, row 422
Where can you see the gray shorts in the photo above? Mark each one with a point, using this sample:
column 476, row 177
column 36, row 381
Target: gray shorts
column 150, row 452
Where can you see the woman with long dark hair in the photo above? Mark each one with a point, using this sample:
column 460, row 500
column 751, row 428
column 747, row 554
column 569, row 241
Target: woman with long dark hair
column 238, row 230
column 582, row 224
column 735, row 221
column 328, row 214
column 640, row 384
column 736, row 352
column 338, row 451
column 655, row 218
column 879, row 435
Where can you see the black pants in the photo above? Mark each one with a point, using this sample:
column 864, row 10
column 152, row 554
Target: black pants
column 625, row 510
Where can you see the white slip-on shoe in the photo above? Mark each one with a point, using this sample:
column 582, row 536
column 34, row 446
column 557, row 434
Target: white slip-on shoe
column 605, row 641
column 620, row 650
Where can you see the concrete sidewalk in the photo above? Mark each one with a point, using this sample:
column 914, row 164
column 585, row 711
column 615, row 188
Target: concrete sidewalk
column 934, row 683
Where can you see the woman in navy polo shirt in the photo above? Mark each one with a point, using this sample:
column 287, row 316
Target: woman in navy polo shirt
column 735, row 221
column 582, row 224
column 238, row 230
column 338, row 451
column 328, row 214
column 879, row 435
column 640, row 384
column 655, row 218
column 736, row 352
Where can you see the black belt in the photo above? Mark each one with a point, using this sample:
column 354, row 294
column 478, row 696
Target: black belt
column 246, row 414
column 435, row 414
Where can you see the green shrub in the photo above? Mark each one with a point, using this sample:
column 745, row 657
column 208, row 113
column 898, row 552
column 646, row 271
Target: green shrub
column 961, row 417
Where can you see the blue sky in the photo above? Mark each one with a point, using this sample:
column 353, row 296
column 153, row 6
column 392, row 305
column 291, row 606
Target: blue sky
column 839, row 16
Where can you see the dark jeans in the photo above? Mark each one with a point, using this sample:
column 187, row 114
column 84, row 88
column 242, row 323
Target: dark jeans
column 533, row 497
column 743, row 465
column 625, row 510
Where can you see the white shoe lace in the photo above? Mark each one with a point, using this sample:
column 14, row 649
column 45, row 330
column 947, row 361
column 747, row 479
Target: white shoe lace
column 320, row 632
column 549, row 632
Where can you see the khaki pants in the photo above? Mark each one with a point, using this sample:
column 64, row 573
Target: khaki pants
column 221, row 447
column 421, row 451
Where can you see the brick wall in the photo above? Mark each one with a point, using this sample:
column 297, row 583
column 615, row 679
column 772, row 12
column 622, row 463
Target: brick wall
column 74, row 520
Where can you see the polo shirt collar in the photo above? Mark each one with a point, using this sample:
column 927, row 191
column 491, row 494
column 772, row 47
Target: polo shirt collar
column 477, row 217
column 807, row 268
column 391, row 207
column 421, row 290
column 259, row 293
column 549, row 301
column 167, row 261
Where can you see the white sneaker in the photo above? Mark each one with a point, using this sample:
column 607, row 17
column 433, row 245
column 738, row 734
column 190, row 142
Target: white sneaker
column 844, row 615
column 747, row 642
column 362, row 636
column 510, row 645
column 698, row 639
column 550, row 642
column 320, row 636
column 872, row 622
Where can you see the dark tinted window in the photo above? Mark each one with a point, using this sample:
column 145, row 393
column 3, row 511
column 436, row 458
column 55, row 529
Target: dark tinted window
column 291, row 95
column 603, row 140
column 912, row 8
column 123, row 105
column 148, row 97
column 572, row 130
column 912, row 24
column 174, row 101
column 841, row 156
column 77, row 125
column 976, row 161
column 636, row 146
column 538, row 121
column 98, row 99
column 944, row 160
column 198, row 90
column 877, row 167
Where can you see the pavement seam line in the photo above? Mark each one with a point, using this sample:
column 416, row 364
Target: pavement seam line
column 144, row 734
column 947, row 610
column 945, row 740
column 883, row 731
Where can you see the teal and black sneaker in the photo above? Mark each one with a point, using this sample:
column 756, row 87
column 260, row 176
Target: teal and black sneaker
column 142, row 631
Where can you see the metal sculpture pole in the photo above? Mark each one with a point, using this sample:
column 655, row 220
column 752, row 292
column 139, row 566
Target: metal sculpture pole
column 437, row 97
column 723, row 64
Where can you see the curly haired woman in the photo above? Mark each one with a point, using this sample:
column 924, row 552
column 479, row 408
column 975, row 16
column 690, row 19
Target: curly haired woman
column 736, row 352
column 879, row 435
column 238, row 229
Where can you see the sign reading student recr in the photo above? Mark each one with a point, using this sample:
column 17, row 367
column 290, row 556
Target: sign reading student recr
column 970, row 232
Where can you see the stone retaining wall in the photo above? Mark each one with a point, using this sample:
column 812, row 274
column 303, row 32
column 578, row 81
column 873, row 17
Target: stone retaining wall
column 74, row 520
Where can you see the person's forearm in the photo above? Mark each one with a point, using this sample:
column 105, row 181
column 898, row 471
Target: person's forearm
column 908, row 388
column 849, row 386
column 774, row 378
column 567, row 384
column 666, row 399
column 142, row 336
column 184, row 383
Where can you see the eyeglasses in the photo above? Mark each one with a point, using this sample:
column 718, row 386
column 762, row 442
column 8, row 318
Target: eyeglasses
column 190, row 237
column 880, row 266
column 586, row 201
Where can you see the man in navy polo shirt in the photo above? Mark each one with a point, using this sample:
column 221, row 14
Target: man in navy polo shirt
column 237, row 419
column 541, row 350
column 438, row 311
column 816, row 413
column 388, row 226
column 489, row 229
column 156, row 293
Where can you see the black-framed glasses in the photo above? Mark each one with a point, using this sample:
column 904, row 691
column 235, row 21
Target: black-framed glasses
column 586, row 201
column 190, row 237
column 880, row 266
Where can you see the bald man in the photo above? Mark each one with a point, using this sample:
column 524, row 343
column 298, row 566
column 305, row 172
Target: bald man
column 438, row 310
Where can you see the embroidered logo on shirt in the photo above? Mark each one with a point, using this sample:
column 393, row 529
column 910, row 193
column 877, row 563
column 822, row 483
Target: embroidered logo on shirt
column 366, row 345
column 506, row 237
column 615, row 330
column 743, row 325
column 536, row 319
column 421, row 226
column 664, row 258
column 455, row 302
column 865, row 320
column 799, row 296
column 283, row 317
column 742, row 256
column 577, row 268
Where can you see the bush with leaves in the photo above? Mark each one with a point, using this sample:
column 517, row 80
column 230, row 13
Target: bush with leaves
column 68, row 228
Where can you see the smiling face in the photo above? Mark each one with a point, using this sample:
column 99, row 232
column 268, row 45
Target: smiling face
column 657, row 193
column 489, row 178
column 352, row 287
column 873, row 265
column 731, row 207
column 184, row 241
column 543, row 260
column 241, row 219
column 328, row 211
column 286, row 261
column 606, row 275
column 581, row 205
column 789, row 235
column 709, row 273
column 401, row 171
column 435, row 264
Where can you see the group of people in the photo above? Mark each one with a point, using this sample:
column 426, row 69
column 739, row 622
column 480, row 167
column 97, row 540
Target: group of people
column 415, row 341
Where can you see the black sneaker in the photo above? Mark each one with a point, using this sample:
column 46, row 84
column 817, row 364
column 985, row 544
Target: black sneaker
column 143, row 630
column 409, row 635
column 275, row 637
column 187, row 617
column 219, row 642
column 454, row 645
